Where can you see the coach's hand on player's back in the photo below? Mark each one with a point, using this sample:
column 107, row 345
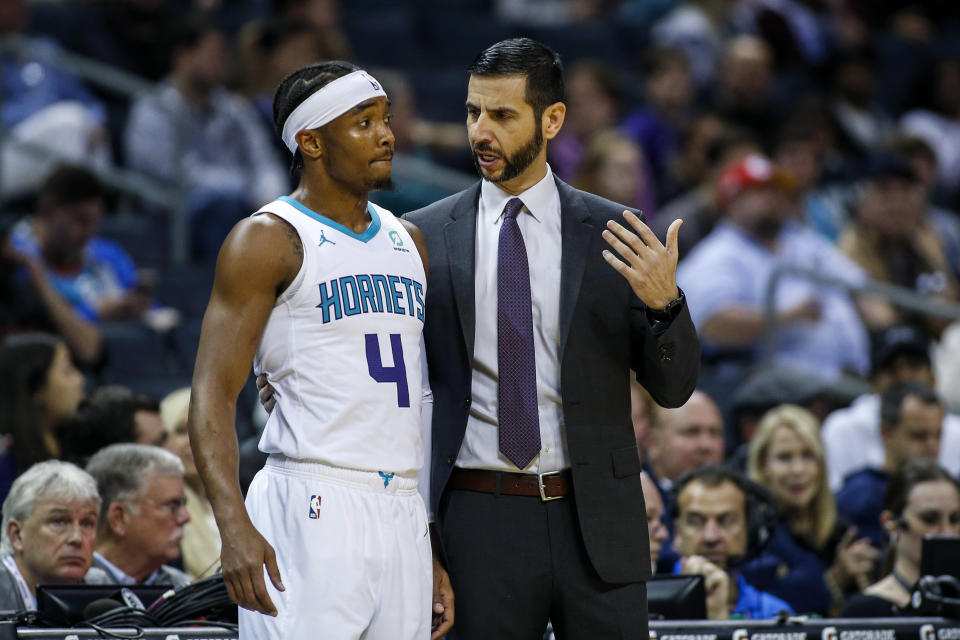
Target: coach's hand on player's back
column 265, row 391
column 243, row 556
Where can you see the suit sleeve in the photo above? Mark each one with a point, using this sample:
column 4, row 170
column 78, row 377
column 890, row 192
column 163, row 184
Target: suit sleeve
column 664, row 355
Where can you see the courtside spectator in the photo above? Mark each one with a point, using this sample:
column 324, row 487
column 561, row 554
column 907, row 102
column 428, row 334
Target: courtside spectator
column 49, row 531
column 42, row 391
column 717, row 521
column 142, row 514
column 851, row 435
column 94, row 274
column 110, row 415
column 911, row 425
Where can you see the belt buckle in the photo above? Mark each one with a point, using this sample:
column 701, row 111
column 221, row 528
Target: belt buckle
column 543, row 496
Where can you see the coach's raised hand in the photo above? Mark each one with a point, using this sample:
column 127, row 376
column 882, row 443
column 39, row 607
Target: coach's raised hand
column 243, row 555
column 648, row 265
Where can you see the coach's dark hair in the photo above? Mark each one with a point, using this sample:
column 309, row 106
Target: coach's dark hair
column 523, row 56
column 891, row 402
column 298, row 86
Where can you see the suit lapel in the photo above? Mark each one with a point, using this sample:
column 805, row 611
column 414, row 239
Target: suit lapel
column 460, row 235
column 576, row 239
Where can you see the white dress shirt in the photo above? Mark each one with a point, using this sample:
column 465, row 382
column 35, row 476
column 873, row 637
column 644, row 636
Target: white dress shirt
column 539, row 223
column 852, row 440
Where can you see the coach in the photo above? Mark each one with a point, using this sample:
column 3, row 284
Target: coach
column 531, row 330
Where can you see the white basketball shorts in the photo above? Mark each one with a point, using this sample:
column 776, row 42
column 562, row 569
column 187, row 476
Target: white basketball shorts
column 353, row 549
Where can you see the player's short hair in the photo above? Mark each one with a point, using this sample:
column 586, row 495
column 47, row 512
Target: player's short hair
column 298, row 86
column 539, row 63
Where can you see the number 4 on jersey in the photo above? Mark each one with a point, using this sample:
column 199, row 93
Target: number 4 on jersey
column 396, row 374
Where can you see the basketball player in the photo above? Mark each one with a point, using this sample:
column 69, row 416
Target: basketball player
column 324, row 293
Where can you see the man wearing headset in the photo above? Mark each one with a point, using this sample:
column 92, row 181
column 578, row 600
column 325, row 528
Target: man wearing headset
column 717, row 527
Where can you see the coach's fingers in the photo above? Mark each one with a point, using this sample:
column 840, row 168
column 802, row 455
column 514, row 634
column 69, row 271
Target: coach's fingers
column 672, row 237
column 265, row 393
column 646, row 233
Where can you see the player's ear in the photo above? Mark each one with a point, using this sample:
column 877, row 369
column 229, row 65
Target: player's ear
column 310, row 143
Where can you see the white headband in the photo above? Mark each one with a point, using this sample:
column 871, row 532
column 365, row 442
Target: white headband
column 327, row 103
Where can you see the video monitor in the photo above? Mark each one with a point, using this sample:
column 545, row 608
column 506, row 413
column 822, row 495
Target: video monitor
column 66, row 603
column 677, row 598
column 940, row 556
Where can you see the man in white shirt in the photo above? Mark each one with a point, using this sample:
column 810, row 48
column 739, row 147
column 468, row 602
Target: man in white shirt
column 530, row 335
column 851, row 436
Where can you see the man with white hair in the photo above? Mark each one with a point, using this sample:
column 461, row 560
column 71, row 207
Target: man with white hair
column 49, row 532
column 142, row 514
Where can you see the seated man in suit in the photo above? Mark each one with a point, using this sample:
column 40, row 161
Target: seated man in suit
column 718, row 526
column 142, row 514
column 49, row 530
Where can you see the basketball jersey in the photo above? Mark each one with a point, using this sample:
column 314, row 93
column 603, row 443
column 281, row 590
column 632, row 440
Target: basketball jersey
column 342, row 346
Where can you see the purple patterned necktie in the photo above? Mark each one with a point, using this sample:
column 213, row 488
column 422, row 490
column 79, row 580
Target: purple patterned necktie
column 516, row 360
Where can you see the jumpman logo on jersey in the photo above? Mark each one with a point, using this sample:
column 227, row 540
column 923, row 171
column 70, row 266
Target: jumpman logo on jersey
column 323, row 239
column 387, row 477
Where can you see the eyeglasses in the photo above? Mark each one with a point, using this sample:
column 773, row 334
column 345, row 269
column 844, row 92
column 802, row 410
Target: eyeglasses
column 173, row 506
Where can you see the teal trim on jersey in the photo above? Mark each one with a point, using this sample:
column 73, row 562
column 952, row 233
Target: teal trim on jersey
column 366, row 236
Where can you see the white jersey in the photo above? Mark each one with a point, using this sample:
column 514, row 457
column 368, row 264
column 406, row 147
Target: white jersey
column 342, row 346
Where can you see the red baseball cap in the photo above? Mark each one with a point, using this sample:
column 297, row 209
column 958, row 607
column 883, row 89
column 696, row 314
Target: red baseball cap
column 752, row 170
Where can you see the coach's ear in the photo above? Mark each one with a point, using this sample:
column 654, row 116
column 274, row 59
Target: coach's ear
column 310, row 143
column 552, row 120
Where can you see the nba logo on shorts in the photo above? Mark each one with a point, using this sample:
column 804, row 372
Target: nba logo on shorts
column 314, row 507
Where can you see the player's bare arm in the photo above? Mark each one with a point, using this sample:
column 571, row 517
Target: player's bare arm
column 258, row 260
column 443, row 611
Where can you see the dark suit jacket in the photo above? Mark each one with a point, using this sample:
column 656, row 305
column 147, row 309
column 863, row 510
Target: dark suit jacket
column 604, row 332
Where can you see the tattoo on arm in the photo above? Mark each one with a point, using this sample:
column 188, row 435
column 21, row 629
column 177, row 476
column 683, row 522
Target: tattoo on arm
column 294, row 239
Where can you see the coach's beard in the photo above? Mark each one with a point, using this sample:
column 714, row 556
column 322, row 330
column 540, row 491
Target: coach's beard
column 515, row 164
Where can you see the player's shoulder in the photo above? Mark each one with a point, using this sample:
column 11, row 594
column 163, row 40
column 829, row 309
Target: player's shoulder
column 262, row 237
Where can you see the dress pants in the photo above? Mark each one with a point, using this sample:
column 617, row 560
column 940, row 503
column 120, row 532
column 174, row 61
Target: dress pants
column 516, row 562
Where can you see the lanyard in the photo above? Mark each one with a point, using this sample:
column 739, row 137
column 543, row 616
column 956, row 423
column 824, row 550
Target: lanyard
column 29, row 600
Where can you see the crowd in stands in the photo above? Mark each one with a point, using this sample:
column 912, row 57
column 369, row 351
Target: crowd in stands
column 812, row 145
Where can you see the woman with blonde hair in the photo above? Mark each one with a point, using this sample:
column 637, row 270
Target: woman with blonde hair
column 200, row 545
column 814, row 559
